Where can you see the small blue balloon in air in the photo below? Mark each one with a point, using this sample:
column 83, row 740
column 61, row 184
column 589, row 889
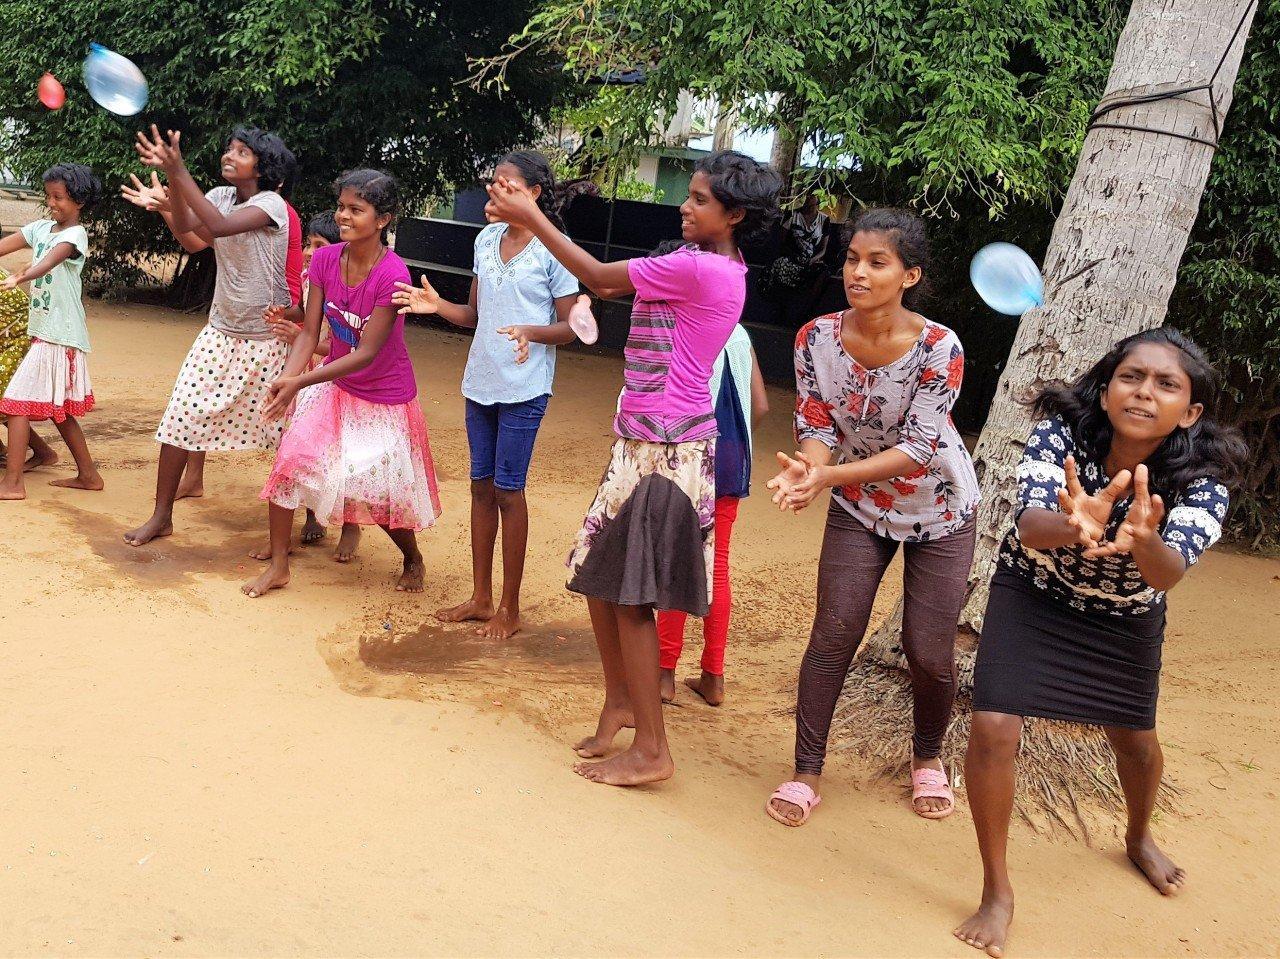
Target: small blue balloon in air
column 114, row 82
column 1006, row 278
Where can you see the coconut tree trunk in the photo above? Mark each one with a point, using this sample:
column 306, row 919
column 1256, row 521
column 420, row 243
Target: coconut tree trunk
column 1114, row 254
column 1113, row 257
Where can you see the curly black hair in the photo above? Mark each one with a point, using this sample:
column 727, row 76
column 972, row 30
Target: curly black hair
column 906, row 231
column 741, row 183
column 277, row 166
column 1207, row 449
column 82, row 186
column 324, row 224
column 378, row 188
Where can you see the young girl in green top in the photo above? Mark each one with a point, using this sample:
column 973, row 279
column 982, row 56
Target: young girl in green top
column 52, row 381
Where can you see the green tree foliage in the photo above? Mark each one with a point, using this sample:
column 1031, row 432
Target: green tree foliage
column 345, row 82
column 988, row 97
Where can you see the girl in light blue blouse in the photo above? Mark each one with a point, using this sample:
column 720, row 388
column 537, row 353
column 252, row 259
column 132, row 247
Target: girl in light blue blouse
column 519, row 306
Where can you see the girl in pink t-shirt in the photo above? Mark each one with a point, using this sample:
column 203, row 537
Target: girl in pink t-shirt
column 646, row 542
column 356, row 449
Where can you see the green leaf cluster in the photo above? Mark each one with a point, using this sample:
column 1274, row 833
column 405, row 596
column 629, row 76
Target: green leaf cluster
column 981, row 97
column 350, row 83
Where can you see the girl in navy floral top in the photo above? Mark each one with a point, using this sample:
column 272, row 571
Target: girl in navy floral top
column 875, row 385
column 1122, row 486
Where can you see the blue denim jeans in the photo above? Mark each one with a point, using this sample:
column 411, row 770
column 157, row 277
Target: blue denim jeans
column 501, row 437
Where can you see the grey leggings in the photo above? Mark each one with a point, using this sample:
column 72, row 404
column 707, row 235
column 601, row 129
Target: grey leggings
column 853, row 562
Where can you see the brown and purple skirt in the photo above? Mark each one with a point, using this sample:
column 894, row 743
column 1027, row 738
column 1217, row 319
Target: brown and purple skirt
column 647, row 538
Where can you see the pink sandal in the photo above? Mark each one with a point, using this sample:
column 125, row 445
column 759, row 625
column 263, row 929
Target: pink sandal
column 798, row 794
column 932, row 784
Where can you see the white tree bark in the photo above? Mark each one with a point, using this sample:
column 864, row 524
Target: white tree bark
column 1114, row 254
column 726, row 121
column 786, row 140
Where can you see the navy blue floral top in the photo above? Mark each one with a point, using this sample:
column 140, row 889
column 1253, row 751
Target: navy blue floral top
column 1111, row 584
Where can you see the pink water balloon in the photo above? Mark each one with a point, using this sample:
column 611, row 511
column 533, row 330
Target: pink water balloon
column 50, row 92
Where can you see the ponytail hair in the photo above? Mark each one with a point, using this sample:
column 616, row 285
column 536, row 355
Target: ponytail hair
column 536, row 170
column 1206, row 449
column 906, row 231
column 378, row 188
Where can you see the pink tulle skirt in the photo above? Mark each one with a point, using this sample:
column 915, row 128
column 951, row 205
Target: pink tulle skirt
column 352, row 461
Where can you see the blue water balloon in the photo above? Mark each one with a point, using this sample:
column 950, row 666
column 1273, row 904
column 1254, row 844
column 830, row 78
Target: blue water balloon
column 114, row 82
column 1006, row 278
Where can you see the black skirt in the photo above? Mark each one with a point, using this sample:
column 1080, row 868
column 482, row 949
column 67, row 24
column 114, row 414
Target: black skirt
column 1040, row 657
column 647, row 538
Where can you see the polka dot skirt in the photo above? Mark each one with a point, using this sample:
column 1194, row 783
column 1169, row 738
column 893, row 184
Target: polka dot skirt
column 221, row 390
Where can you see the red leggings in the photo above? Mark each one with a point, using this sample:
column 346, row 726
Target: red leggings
column 715, row 628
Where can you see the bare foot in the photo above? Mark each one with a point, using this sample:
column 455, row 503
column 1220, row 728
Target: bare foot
column 91, row 482
column 415, row 571
column 667, row 685
column 188, row 490
column 148, row 531
column 347, row 543
column 273, row 577
column 709, row 686
column 612, row 721
column 312, row 530
column 15, row 490
column 988, row 928
column 929, row 804
column 34, row 462
column 629, row 768
column 474, row 608
column 263, row 553
column 789, row 810
column 1161, row 871
column 503, row 625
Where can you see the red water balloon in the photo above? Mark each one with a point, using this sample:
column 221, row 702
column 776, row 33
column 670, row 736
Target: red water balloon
column 50, row 92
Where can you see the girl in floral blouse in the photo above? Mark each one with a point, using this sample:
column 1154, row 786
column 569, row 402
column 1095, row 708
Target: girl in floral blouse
column 875, row 386
column 1121, row 488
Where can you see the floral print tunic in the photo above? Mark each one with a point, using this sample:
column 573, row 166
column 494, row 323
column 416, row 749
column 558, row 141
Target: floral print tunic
column 904, row 405
column 1111, row 584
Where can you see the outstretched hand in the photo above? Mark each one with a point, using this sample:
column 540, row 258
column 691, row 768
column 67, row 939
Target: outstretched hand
column 1089, row 515
column 409, row 299
column 1142, row 522
column 795, row 470
column 160, row 151
column 510, row 202
column 815, row 481
column 154, row 198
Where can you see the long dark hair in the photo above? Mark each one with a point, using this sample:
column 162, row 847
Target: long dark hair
column 906, row 231
column 1207, row 449
column 536, row 170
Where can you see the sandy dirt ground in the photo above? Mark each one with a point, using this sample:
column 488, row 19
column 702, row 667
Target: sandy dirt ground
column 326, row 772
